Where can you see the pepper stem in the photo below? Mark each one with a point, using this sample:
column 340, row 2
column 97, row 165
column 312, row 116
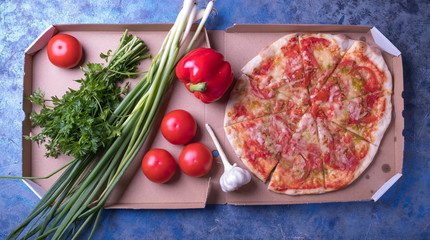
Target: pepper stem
column 198, row 87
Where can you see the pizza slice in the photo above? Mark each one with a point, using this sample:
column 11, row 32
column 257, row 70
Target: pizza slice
column 345, row 154
column 258, row 142
column 367, row 116
column 244, row 105
column 362, row 71
column 276, row 65
column 321, row 52
column 299, row 170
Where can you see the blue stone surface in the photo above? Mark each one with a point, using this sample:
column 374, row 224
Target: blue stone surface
column 402, row 213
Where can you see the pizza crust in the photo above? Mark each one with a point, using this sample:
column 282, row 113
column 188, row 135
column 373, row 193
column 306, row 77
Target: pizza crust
column 340, row 40
column 299, row 191
column 384, row 122
column 231, row 137
column 239, row 92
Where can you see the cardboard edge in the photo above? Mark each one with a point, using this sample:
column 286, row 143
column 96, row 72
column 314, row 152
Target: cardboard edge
column 117, row 27
column 297, row 28
column 208, row 190
column 387, row 185
column 35, row 188
column 171, row 205
column 383, row 42
column 206, row 35
column 139, row 206
column 398, row 113
column 50, row 31
column 279, row 203
column 26, row 108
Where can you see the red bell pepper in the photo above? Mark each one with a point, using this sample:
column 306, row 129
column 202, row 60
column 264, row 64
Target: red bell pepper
column 205, row 73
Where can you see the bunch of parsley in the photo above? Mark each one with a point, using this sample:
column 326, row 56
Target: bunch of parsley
column 76, row 124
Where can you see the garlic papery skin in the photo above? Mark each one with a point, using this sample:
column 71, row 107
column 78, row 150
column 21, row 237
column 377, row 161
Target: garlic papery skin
column 233, row 178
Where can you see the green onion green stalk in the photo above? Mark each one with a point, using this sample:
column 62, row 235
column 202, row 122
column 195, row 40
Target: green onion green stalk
column 77, row 198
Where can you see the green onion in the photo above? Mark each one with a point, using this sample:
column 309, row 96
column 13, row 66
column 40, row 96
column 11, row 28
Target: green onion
column 77, row 198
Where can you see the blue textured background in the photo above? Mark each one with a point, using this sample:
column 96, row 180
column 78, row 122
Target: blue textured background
column 402, row 213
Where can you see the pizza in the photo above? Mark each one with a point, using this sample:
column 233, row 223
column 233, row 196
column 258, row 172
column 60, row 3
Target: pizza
column 308, row 113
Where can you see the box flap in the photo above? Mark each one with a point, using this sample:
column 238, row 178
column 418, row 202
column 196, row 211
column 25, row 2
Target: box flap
column 384, row 188
column 384, row 43
column 38, row 190
column 41, row 41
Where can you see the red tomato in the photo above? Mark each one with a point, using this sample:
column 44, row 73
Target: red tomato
column 178, row 127
column 195, row 160
column 64, row 51
column 158, row 165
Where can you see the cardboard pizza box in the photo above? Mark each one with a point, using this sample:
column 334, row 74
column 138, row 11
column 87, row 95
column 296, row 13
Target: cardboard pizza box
column 239, row 44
